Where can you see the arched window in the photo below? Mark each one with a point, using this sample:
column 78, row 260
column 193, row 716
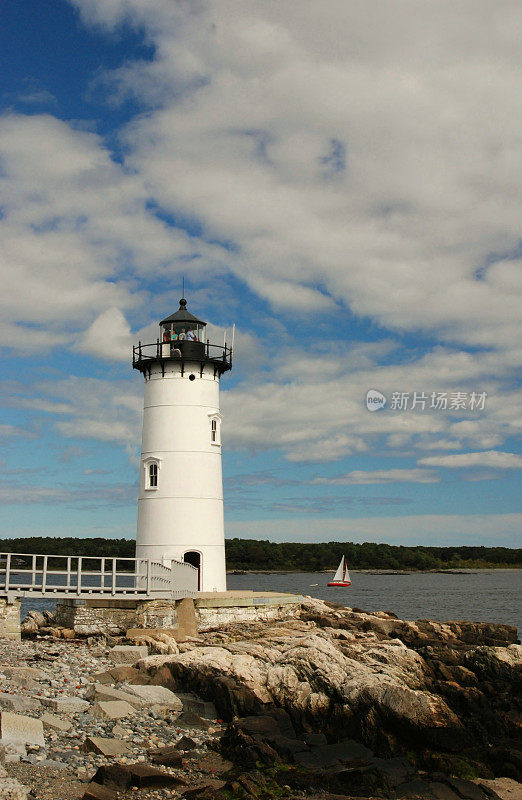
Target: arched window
column 215, row 429
column 151, row 467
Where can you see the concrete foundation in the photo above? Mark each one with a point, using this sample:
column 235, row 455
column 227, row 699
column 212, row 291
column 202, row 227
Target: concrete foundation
column 178, row 618
column 10, row 620
column 216, row 609
column 116, row 617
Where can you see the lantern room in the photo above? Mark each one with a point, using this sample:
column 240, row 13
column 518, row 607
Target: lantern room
column 183, row 339
column 182, row 326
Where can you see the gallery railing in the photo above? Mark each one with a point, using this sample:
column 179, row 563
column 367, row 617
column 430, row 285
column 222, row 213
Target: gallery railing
column 182, row 350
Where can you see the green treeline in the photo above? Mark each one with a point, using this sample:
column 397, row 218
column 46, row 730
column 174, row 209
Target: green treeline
column 69, row 546
column 251, row 554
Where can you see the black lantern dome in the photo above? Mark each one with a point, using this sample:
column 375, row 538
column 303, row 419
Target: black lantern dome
column 182, row 317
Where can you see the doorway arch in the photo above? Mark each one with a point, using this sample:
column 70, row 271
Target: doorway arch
column 194, row 558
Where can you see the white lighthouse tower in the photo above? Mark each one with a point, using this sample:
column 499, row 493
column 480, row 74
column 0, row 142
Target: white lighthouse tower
column 180, row 505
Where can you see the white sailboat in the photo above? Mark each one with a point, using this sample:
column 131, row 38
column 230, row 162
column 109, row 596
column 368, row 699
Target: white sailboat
column 342, row 576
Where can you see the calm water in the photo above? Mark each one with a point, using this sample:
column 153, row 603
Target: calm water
column 485, row 596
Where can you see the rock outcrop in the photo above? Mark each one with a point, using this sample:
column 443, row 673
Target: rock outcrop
column 329, row 704
column 266, row 749
column 444, row 691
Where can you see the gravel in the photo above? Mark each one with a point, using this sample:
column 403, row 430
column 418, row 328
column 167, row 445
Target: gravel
column 60, row 769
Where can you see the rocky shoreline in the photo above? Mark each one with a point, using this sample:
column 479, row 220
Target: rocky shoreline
column 332, row 702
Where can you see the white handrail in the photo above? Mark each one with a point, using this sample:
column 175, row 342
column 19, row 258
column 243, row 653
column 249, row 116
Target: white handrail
column 7, row 572
column 33, row 574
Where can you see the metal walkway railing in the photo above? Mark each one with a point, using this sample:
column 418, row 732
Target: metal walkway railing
column 23, row 575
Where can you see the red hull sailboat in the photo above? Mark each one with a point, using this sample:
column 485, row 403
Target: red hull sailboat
column 342, row 576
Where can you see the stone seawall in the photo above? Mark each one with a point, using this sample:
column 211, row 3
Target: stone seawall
column 210, row 611
column 10, row 620
column 213, row 610
column 210, row 619
column 217, row 610
column 115, row 617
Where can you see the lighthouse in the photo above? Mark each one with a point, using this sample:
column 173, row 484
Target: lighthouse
column 180, row 502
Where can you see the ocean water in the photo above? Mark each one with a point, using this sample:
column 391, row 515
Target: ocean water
column 481, row 596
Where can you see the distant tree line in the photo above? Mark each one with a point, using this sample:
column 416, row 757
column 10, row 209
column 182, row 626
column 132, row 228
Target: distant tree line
column 253, row 554
column 69, row 546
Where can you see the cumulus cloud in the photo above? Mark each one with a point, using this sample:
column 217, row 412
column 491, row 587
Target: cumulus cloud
column 488, row 458
column 380, row 476
column 313, row 404
column 108, row 337
column 79, row 237
column 338, row 157
column 360, row 148
column 359, row 157
column 91, row 408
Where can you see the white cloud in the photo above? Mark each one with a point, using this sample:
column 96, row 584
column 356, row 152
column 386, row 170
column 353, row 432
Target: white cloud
column 312, row 407
column 288, row 295
column 346, row 155
column 86, row 495
column 253, row 100
column 37, row 97
column 109, row 411
column 108, row 337
column 443, row 444
column 360, row 148
column 358, row 477
column 313, row 403
column 8, row 431
column 489, row 458
column 78, row 238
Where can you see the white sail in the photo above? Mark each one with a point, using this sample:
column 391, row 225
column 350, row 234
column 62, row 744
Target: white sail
column 341, row 571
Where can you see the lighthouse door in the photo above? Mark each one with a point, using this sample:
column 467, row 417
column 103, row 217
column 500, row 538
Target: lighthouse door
column 194, row 558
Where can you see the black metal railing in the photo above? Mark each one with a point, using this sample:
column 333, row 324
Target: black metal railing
column 182, row 350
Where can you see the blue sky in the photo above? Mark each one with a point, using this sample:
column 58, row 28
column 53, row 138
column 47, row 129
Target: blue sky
column 338, row 180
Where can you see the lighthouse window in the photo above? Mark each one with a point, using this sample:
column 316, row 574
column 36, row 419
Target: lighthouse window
column 153, row 476
column 215, row 436
column 151, row 468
